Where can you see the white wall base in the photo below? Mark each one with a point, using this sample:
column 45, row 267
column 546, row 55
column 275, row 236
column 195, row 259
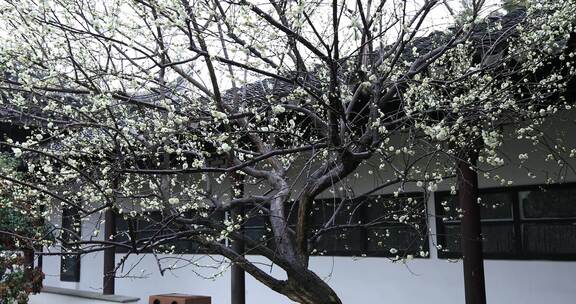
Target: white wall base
column 58, row 295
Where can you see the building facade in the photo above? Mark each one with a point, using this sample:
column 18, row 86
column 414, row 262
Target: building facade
column 529, row 231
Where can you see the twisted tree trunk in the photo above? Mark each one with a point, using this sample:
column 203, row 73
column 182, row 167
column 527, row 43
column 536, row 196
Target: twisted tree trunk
column 306, row 287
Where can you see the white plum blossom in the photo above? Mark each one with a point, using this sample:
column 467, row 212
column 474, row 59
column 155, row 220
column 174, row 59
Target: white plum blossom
column 278, row 109
column 17, row 152
column 225, row 147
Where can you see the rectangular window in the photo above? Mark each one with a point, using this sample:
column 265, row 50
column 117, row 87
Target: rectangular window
column 526, row 222
column 337, row 224
column 257, row 228
column 151, row 226
column 70, row 258
column 381, row 225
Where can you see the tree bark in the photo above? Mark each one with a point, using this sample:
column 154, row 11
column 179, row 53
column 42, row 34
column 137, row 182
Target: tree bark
column 306, row 287
column 28, row 255
column 474, row 286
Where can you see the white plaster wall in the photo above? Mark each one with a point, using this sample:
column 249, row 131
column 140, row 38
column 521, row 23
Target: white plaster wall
column 50, row 298
column 356, row 280
column 369, row 281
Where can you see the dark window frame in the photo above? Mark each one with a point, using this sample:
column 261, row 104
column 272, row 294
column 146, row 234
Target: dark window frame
column 261, row 226
column 257, row 225
column 363, row 251
column 70, row 218
column 519, row 252
column 190, row 247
